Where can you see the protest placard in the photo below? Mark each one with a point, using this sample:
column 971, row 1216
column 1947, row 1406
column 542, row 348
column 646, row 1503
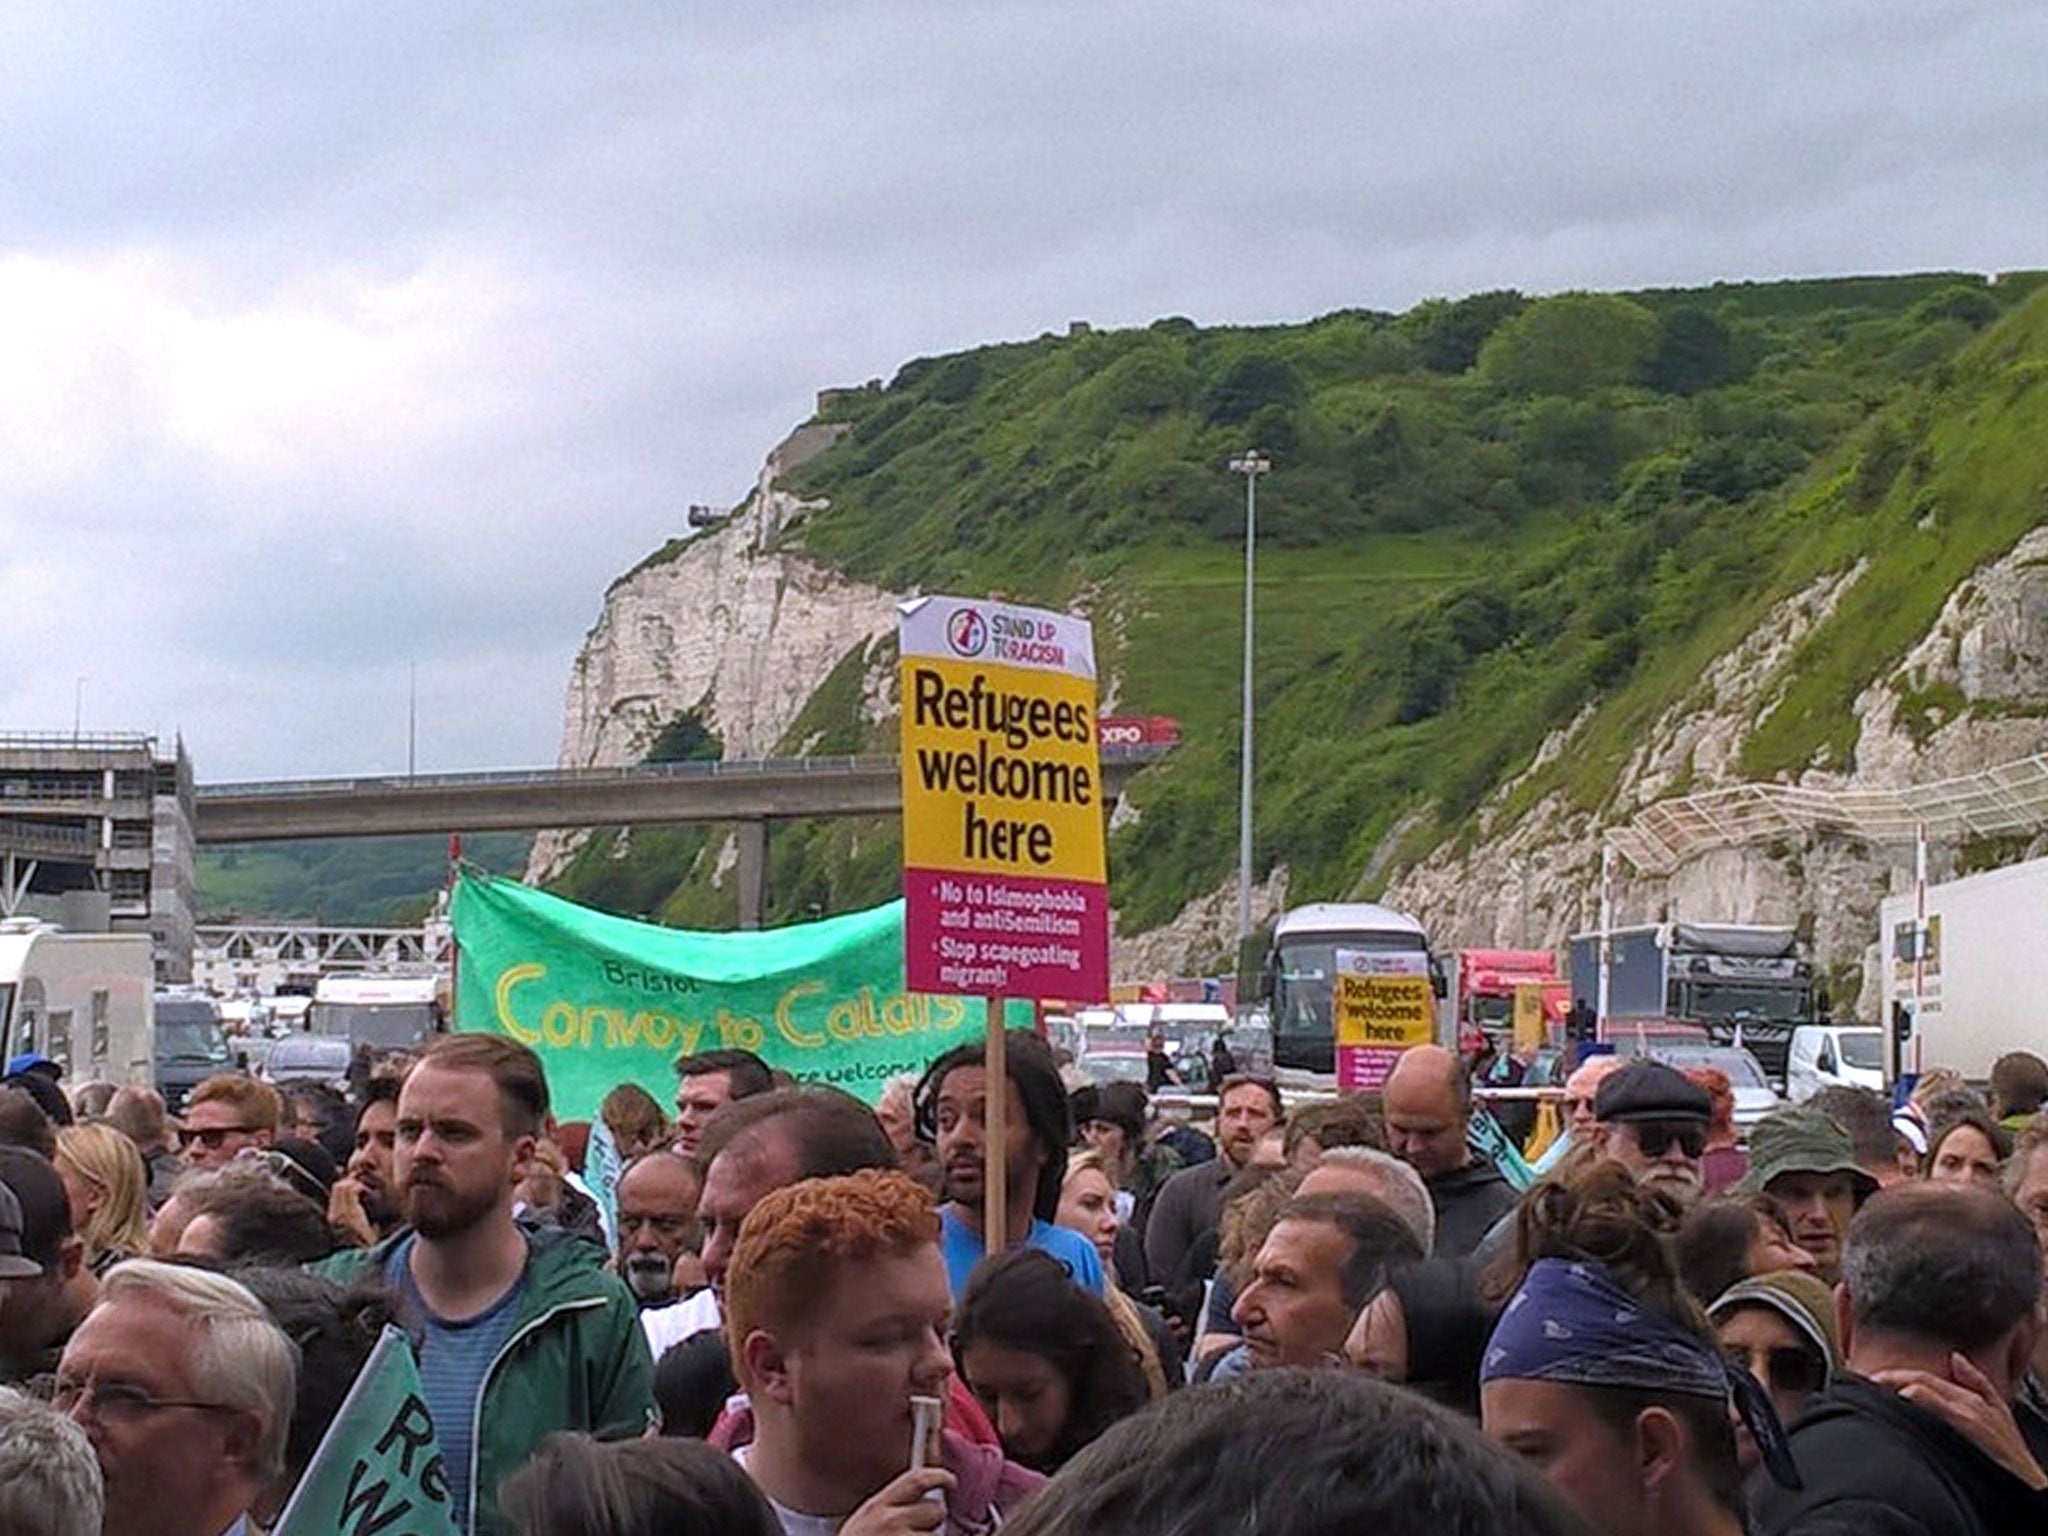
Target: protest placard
column 378, row 1470
column 1383, row 1007
column 1004, row 879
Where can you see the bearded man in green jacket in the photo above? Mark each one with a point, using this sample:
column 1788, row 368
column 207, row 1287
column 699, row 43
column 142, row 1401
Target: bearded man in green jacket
column 521, row 1334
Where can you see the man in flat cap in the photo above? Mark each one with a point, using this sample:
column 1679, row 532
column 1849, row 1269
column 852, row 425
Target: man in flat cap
column 1653, row 1121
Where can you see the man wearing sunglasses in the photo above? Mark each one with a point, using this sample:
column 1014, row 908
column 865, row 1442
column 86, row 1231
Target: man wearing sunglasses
column 227, row 1112
column 1653, row 1121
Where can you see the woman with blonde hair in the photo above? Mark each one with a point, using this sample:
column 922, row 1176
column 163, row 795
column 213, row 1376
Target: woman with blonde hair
column 1088, row 1206
column 107, row 1186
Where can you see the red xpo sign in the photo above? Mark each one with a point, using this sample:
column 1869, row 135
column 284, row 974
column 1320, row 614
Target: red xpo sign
column 1138, row 730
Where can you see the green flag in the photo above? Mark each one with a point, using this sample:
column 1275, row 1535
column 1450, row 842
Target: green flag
column 605, row 1000
column 378, row 1470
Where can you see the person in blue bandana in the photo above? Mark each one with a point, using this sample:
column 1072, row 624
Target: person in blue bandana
column 1603, row 1374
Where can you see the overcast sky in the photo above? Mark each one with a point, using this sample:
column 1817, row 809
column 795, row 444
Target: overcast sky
column 340, row 338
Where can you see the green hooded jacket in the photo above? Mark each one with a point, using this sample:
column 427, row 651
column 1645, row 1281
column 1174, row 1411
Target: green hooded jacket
column 576, row 1359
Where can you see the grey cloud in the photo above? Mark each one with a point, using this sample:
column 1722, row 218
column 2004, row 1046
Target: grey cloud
column 540, row 278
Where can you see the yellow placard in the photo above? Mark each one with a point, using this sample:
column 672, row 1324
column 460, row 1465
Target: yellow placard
column 1389, row 1011
column 1529, row 1032
column 1001, row 773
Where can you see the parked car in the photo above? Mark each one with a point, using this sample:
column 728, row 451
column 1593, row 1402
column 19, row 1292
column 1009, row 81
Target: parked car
column 309, row 1058
column 1754, row 1096
column 1113, row 1064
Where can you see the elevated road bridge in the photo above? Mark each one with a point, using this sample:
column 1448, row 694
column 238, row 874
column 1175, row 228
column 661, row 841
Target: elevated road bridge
column 746, row 794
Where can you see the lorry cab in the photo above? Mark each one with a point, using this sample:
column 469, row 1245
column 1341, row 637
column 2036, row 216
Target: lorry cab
column 1831, row 1055
column 386, row 1013
column 1480, row 988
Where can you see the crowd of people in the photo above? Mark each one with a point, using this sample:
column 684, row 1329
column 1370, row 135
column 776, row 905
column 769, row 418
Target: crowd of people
column 786, row 1312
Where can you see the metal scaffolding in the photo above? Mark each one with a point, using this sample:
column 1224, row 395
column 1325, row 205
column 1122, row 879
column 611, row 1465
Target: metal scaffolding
column 2010, row 798
column 314, row 947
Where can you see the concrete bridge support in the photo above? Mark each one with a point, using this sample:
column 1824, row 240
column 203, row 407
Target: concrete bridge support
column 752, row 837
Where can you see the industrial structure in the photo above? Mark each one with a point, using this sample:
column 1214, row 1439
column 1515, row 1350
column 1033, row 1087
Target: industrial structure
column 263, row 958
column 96, row 833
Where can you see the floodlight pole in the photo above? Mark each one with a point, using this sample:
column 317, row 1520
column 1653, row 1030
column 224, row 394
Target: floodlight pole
column 1251, row 464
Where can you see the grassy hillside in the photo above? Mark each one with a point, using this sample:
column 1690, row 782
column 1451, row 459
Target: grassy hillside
column 372, row 880
column 1483, row 516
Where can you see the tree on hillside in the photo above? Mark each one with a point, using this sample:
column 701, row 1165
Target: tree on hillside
column 1254, row 380
column 1975, row 307
column 1449, row 333
column 1695, row 351
column 1569, row 345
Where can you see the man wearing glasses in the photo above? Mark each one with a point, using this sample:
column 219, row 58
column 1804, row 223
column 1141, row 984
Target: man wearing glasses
column 227, row 1112
column 185, row 1451
column 1653, row 1121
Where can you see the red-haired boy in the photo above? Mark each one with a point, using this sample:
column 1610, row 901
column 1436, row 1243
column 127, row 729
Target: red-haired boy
column 836, row 1312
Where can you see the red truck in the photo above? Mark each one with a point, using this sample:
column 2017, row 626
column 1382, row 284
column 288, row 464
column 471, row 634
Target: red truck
column 1479, row 991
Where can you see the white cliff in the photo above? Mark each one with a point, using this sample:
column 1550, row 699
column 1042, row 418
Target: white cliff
column 738, row 627
column 1972, row 694
column 730, row 625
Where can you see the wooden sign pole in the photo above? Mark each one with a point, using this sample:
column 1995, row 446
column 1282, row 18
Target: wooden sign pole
column 996, row 1158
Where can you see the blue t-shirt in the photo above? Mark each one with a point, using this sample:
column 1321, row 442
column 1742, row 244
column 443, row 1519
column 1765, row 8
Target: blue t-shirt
column 453, row 1359
column 964, row 1250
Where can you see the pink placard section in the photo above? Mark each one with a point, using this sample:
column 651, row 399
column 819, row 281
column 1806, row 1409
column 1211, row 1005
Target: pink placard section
column 1005, row 936
column 1364, row 1066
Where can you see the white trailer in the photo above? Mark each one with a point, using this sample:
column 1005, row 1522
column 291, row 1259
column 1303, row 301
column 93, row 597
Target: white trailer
column 1968, row 982
column 85, row 1000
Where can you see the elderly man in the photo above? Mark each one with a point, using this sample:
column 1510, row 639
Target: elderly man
column 185, row 1387
column 1653, row 1121
column 1939, row 1311
column 1580, row 1090
column 1366, row 1171
column 1323, row 1261
column 1429, row 1107
column 1806, row 1163
column 49, row 1478
column 658, row 1196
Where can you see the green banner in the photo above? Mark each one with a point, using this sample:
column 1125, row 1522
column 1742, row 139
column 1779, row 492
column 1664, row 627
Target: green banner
column 377, row 1470
column 605, row 1000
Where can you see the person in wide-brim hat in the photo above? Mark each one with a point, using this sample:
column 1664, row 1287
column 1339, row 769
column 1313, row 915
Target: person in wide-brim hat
column 1807, row 1165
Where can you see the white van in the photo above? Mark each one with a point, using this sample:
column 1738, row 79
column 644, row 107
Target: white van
column 82, row 999
column 1824, row 1055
